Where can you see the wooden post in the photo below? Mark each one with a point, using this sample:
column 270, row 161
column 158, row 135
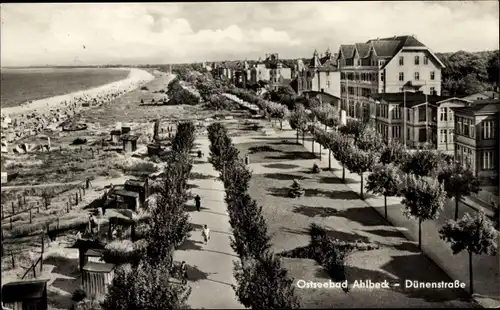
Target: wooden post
column 57, row 223
column 92, row 150
column 2, row 213
column 81, row 148
column 24, row 199
column 13, row 261
column 10, row 222
column 67, row 206
column 60, row 148
column 43, row 249
column 83, row 189
column 30, row 217
column 76, row 199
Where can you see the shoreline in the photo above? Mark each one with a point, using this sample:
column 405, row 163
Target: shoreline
column 135, row 79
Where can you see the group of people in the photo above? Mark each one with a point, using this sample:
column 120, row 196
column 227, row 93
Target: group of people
column 205, row 234
column 33, row 122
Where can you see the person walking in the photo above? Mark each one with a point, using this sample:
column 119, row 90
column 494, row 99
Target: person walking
column 206, row 234
column 197, row 200
column 183, row 272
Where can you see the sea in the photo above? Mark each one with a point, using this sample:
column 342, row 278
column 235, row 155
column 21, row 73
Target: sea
column 26, row 84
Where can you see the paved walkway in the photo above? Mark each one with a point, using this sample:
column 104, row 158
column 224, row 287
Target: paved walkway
column 485, row 268
column 210, row 267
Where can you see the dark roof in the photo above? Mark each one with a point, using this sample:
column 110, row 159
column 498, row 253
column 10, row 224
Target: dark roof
column 363, row 49
column 405, row 41
column 129, row 137
column 385, row 48
column 94, row 252
column 329, row 65
column 315, row 93
column 122, row 192
column 116, row 132
column 22, row 290
column 347, row 50
column 133, row 182
column 488, row 94
column 98, row 267
column 478, row 109
column 412, row 99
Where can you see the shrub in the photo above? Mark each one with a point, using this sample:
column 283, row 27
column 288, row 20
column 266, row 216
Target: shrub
column 140, row 169
column 79, row 141
column 79, row 294
column 124, row 251
column 144, row 88
column 315, row 168
column 295, row 190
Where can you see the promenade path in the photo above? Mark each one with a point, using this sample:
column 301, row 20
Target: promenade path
column 485, row 268
column 210, row 267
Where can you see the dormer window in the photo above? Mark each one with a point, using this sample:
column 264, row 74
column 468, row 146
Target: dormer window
column 359, row 62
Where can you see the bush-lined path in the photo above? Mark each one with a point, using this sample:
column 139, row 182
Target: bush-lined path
column 210, row 267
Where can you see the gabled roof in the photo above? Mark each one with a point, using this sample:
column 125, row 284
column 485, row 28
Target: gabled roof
column 385, row 48
column 363, row 49
column 98, row 267
column 488, row 94
column 329, row 66
column 347, row 51
column 492, row 107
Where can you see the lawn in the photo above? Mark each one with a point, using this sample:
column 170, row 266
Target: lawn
column 331, row 204
column 268, row 150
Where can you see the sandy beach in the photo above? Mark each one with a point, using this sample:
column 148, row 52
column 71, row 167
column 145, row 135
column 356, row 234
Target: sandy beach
column 135, row 78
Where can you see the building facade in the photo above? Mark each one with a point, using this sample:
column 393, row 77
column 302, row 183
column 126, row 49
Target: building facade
column 320, row 75
column 476, row 139
column 385, row 66
column 271, row 70
column 418, row 119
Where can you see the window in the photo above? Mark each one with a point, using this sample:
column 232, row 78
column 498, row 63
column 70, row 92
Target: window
column 472, row 129
column 408, row 134
column 359, row 62
column 488, row 130
column 408, row 115
column 396, row 131
column 432, row 75
column 421, row 114
column 443, row 113
column 426, row 60
column 442, row 136
column 327, row 84
column 396, row 113
column 450, row 115
column 417, row 60
column 401, row 60
column 401, row 76
column 432, row 91
column 466, row 127
column 327, row 73
column 487, row 160
column 417, row 76
column 382, row 76
column 451, row 134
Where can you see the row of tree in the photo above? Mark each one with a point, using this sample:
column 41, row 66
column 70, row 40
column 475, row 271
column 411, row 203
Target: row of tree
column 262, row 283
column 423, row 179
column 178, row 95
column 273, row 110
column 148, row 284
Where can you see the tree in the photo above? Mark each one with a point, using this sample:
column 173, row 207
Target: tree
column 475, row 235
column 263, row 284
column 422, row 200
column 458, row 182
column 184, row 137
column 342, row 151
column 354, row 128
column 369, row 140
column 359, row 162
column 249, row 227
column 298, row 120
column 145, row 287
column 422, row 163
column 384, row 180
column 393, row 152
column 238, row 179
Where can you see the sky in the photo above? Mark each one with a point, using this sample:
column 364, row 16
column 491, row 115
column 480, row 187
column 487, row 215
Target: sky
column 142, row 33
